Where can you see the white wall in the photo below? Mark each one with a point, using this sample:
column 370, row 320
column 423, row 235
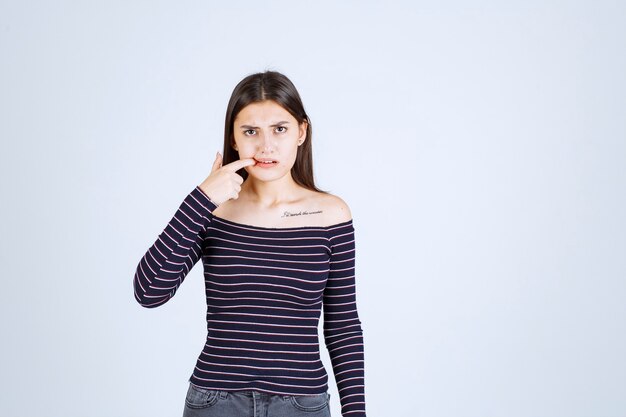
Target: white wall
column 481, row 148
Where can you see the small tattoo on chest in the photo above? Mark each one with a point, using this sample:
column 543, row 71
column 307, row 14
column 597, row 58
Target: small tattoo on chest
column 300, row 213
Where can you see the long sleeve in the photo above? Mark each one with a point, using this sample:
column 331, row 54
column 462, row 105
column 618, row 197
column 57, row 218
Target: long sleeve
column 177, row 249
column 342, row 328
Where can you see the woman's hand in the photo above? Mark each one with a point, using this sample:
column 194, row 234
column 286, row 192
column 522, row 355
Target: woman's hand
column 224, row 183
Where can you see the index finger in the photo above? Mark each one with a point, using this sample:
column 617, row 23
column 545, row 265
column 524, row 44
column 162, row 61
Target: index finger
column 238, row 164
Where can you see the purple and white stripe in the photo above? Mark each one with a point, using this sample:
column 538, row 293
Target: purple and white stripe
column 265, row 290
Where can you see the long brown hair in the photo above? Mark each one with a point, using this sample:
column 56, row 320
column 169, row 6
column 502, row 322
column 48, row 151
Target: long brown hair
column 271, row 85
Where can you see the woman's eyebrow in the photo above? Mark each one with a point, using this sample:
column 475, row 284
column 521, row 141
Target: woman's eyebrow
column 256, row 127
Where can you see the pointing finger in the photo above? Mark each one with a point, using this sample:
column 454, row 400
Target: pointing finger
column 240, row 163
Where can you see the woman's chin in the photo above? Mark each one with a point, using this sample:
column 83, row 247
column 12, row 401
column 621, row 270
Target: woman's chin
column 263, row 174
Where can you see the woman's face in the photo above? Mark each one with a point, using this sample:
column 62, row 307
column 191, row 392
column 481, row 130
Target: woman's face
column 266, row 131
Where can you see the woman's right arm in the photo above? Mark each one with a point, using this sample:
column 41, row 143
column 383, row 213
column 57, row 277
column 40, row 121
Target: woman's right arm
column 177, row 249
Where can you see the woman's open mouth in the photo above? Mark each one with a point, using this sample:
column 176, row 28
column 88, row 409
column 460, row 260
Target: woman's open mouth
column 265, row 163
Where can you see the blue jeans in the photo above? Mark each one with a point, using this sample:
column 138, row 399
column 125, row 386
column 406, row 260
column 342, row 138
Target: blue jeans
column 202, row 402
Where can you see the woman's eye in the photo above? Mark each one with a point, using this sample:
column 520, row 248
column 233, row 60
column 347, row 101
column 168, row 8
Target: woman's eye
column 245, row 132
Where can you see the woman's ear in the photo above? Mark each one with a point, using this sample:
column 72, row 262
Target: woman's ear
column 303, row 128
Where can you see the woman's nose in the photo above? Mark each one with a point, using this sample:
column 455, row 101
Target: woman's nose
column 267, row 141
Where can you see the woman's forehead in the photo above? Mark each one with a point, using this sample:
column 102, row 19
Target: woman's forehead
column 266, row 113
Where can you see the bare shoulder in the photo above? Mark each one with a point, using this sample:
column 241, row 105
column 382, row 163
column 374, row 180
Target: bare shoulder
column 336, row 210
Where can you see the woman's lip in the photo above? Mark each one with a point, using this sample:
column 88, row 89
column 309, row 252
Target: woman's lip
column 265, row 164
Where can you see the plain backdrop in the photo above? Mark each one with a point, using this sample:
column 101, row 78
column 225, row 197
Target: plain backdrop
column 480, row 145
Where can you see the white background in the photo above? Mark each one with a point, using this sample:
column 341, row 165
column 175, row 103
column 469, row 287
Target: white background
column 481, row 148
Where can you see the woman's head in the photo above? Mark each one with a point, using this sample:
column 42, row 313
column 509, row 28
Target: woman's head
column 265, row 119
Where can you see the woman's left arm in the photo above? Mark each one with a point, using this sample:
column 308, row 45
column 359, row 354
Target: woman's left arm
column 343, row 333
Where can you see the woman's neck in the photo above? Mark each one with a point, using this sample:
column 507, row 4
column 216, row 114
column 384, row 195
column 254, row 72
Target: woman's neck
column 269, row 194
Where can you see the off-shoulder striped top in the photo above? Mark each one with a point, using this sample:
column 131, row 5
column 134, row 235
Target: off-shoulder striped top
column 265, row 289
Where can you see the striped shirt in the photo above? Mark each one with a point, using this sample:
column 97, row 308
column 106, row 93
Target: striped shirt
column 265, row 288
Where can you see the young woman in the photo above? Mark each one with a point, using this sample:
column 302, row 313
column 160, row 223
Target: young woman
column 275, row 251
